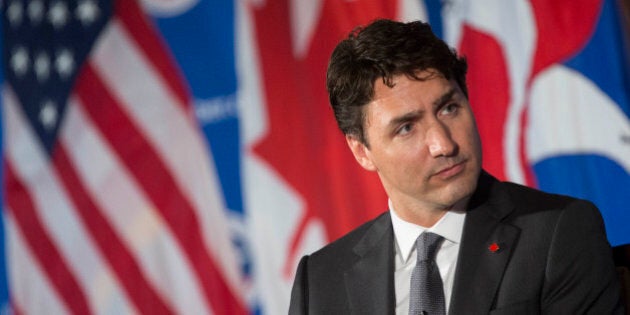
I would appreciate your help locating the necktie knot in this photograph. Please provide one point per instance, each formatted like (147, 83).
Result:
(427, 244)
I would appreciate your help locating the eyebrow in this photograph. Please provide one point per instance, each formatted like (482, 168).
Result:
(414, 115)
(445, 98)
(411, 116)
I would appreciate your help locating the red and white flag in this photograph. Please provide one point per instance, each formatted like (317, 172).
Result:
(178, 157)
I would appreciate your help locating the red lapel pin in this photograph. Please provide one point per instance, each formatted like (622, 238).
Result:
(494, 247)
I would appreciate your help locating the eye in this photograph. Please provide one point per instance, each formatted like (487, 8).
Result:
(449, 109)
(404, 129)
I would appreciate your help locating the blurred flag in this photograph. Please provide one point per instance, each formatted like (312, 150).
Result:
(550, 87)
(112, 204)
(180, 156)
(547, 81)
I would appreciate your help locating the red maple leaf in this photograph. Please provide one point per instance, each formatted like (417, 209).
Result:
(303, 143)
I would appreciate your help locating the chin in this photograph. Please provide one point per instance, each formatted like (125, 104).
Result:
(459, 191)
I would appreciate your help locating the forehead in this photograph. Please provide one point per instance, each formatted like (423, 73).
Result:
(409, 94)
(426, 83)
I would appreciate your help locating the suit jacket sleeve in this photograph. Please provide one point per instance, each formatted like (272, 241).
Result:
(580, 274)
(299, 293)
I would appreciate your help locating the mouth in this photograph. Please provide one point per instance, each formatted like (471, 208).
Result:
(451, 170)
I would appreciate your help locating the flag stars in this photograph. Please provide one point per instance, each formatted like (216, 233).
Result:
(36, 11)
(64, 63)
(49, 41)
(42, 66)
(48, 115)
(87, 12)
(20, 61)
(58, 14)
(15, 13)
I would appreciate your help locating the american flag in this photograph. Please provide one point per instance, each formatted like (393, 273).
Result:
(112, 206)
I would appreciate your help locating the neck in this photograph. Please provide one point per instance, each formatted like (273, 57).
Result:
(423, 215)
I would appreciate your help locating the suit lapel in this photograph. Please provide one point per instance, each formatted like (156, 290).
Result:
(485, 250)
(370, 281)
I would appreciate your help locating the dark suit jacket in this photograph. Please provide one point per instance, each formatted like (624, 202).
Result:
(553, 258)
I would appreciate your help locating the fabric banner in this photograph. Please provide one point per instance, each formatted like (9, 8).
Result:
(179, 157)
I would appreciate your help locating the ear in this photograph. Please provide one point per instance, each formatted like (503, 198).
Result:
(361, 152)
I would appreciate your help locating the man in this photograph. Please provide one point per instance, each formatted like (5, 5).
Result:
(455, 240)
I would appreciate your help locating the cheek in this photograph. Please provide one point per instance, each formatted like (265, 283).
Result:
(468, 135)
(409, 153)
(412, 164)
(399, 159)
(475, 140)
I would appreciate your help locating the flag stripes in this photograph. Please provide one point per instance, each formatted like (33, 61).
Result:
(119, 61)
(156, 181)
(112, 201)
(49, 257)
(178, 148)
(114, 251)
(131, 176)
(130, 214)
(61, 245)
(31, 291)
(135, 21)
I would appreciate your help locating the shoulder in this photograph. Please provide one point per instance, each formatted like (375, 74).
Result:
(536, 203)
(559, 225)
(560, 257)
(329, 264)
(344, 248)
(534, 211)
(535, 198)
(319, 282)
(572, 251)
(506, 200)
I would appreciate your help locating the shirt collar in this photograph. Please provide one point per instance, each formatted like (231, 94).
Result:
(450, 227)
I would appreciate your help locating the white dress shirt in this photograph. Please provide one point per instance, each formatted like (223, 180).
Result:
(450, 227)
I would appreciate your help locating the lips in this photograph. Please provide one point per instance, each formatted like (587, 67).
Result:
(450, 171)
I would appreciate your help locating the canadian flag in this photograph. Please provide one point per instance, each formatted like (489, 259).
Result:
(545, 80)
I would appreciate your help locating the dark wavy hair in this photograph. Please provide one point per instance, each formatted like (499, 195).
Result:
(384, 49)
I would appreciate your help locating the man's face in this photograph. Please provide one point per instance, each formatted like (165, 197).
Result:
(423, 143)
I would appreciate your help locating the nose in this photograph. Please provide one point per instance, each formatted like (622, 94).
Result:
(439, 141)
